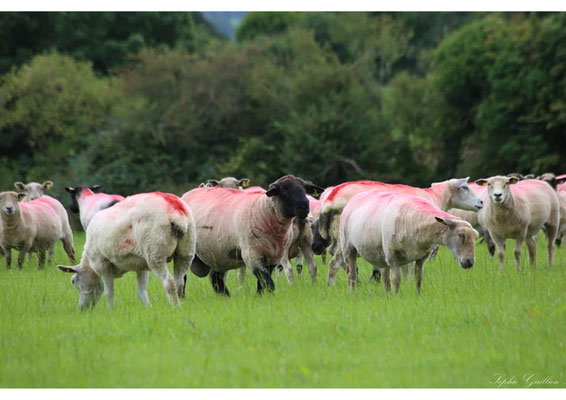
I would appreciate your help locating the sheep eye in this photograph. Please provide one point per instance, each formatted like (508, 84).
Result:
(463, 237)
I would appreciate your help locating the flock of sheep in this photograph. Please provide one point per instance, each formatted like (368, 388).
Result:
(226, 225)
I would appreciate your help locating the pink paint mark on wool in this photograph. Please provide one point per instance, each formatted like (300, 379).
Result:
(174, 202)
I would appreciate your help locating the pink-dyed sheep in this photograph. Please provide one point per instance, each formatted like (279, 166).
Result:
(85, 201)
(140, 234)
(519, 210)
(453, 193)
(390, 230)
(33, 226)
(237, 228)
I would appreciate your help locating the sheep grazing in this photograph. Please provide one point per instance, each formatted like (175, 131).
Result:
(237, 228)
(519, 210)
(33, 226)
(453, 193)
(33, 190)
(85, 201)
(229, 183)
(390, 230)
(141, 234)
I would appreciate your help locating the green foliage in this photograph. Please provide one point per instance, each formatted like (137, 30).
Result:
(257, 24)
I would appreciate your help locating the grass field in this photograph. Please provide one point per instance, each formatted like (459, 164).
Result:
(467, 329)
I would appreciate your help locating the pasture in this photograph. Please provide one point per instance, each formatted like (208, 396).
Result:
(466, 329)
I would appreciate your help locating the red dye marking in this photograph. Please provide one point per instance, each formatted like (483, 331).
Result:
(174, 202)
(338, 188)
(130, 226)
(139, 220)
(128, 241)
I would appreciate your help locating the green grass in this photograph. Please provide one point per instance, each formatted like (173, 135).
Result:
(467, 326)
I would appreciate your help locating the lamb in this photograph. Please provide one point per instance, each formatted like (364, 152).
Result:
(229, 183)
(237, 228)
(88, 203)
(33, 190)
(453, 193)
(519, 210)
(33, 226)
(391, 229)
(141, 234)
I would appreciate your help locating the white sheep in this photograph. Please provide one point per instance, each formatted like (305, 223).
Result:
(390, 230)
(87, 203)
(33, 226)
(140, 234)
(33, 190)
(519, 210)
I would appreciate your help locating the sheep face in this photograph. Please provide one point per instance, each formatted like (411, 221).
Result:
(33, 190)
(87, 283)
(463, 197)
(319, 244)
(229, 183)
(76, 193)
(9, 202)
(498, 187)
(461, 241)
(290, 194)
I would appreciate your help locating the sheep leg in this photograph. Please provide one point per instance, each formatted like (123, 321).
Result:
(518, 245)
(375, 274)
(287, 267)
(263, 276)
(51, 250)
(490, 244)
(41, 258)
(8, 256)
(333, 267)
(69, 248)
(405, 271)
(181, 263)
(350, 259)
(143, 278)
(218, 284)
(396, 277)
(419, 264)
(323, 257)
(242, 275)
(550, 232)
(161, 271)
(500, 245)
(108, 281)
(386, 275)
(21, 258)
(532, 248)
(299, 262)
(308, 254)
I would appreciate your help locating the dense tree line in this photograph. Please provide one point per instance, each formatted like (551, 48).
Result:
(145, 101)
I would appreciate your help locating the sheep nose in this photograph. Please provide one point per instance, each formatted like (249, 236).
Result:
(9, 209)
(467, 263)
(497, 195)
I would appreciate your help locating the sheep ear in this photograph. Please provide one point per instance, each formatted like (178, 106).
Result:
(95, 187)
(445, 221)
(512, 180)
(481, 182)
(560, 180)
(313, 190)
(70, 270)
(47, 185)
(70, 189)
(461, 181)
(529, 176)
(213, 182)
(21, 196)
(273, 190)
(201, 185)
(244, 182)
(20, 186)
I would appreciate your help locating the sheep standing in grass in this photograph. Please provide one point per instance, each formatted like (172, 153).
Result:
(519, 210)
(32, 191)
(237, 228)
(85, 201)
(453, 193)
(390, 230)
(557, 182)
(140, 234)
(33, 226)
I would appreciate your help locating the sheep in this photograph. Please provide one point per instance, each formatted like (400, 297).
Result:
(453, 193)
(237, 228)
(140, 234)
(519, 210)
(33, 226)
(557, 182)
(229, 183)
(33, 190)
(88, 203)
(391, 229)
